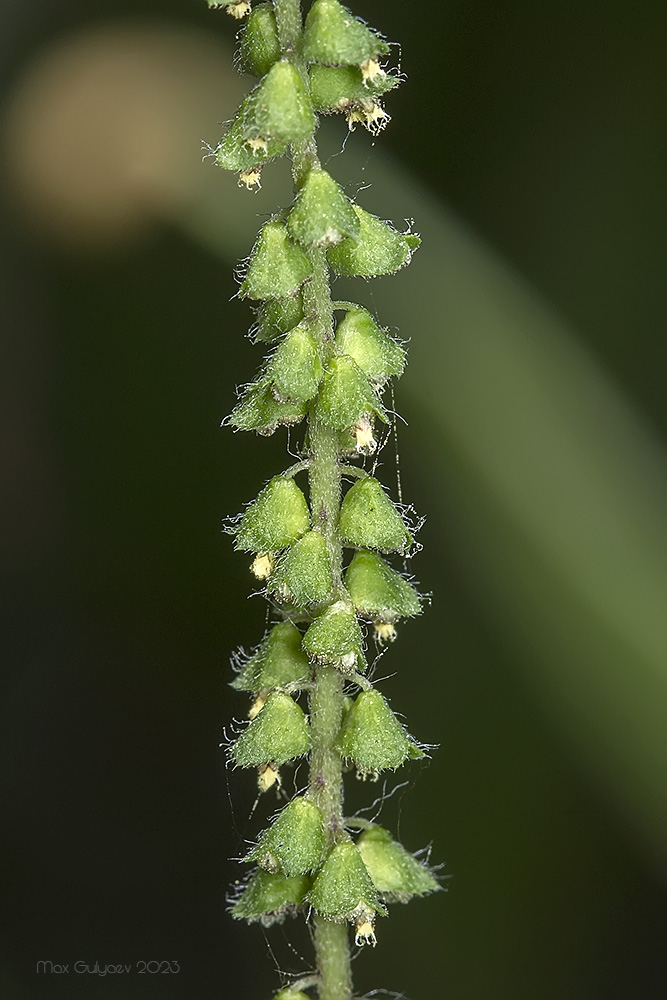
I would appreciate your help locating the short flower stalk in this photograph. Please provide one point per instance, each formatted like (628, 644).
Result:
(323, 557)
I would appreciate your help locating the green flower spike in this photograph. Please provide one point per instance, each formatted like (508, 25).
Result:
(335, 638)
(296, 843)
(303, 575)
(369, 520)
(334, 36)
(378, 592)
(379, 249)
(260, 45)
(295, 369)
(279, 107)
(396, 874)
(343, 891)
(279, 661)
(269, 898)
(323, 214)
(277, 734)
(335, 88)
(236, 153)
(360, 337)
(278, 517)
(276, 317)
(373, 737)
(277, 266)
(346, 396)
(260, 411)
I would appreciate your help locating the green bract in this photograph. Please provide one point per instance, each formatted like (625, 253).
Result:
(276, 518)
(346, 395)
(303, 575)
(343, 888)
(378, 592)
(323, 214)
(279, 107)
(396, 874)
(260, 45)
(335, 638)
(335, 88)
(269, 898)
(277, 734)
(276, 316)
(373, 737)
(260, 411)
(334, 36)
(374, 351)
(369, 520)
(236, 153)
(277, 266)
(278, 662)
(378, 249)
(295, 369)
(296, 843)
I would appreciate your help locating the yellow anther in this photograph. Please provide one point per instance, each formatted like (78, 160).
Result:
(257, 706)
(262, 565)
(239, 9)
(363, 434)
(384, 633)
(369, 113)
(268, 775)
(257, 144)
(364, 932)
(371, 70)
(250, 179)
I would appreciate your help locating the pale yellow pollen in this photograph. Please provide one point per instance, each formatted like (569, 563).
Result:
(262, 565)
(250, 179)
(257, 706)
(257, 144)
(268, 775)
(365, 933)
(371, 70)
(385, 632)
(363, 433)
(239, 9)
(368, 113)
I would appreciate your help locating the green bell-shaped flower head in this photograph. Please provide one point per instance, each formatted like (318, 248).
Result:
(372, 736)
(260, 45)
(334, 36)
(335, 638)
(276, 317)
(369, 520)
(277, 734)
(336, 88)
(374, 351)
(295, 369)
(378, 592)
(346, 396)
(379, 249)
(279, 107)
(323, 214)
(296, 842)
(235, 152)
(396, 874)
(303, 575)
(275, 519)
(269, 898)
(343, 889)
(277, 266)
(279, 661)
(260, 411)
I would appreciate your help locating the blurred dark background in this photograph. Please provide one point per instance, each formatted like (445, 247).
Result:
(543, 126)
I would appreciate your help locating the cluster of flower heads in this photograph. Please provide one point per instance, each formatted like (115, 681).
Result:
(322, 621)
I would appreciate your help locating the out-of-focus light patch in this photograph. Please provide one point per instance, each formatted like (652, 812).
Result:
(103, 132)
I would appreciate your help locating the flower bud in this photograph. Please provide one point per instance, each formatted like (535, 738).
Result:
(335, 88)
(295, 369)
(269, 898)
(379, 249)
(279, 107)
(296, 843)
(343, 889)
(277, 316)
(375, 352)
(323, 214)
(303, 575)
(260, 411)
(260, 45)
(396, 874)
(335, 638)
(346, 396)
(277, 734)
(333, 36)
(369, 520)
(275, 519)
(279, 661)
(277, 266)
(235, 152)
(378, 592)
(372, 736)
